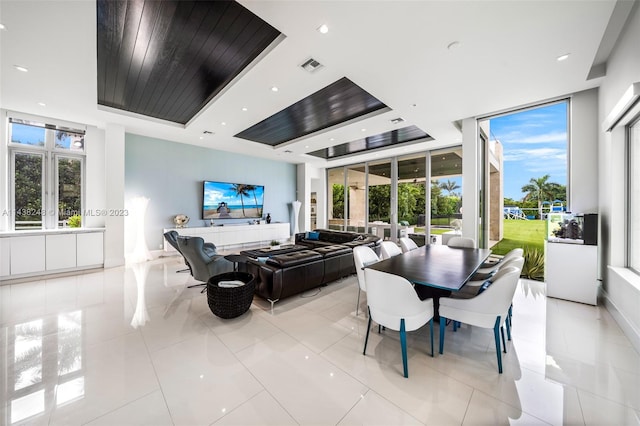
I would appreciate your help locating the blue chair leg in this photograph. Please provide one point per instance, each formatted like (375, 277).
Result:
(507, 323)
(455, 326)
(510, 313)
(403, 343)
(431, 334)
(504, 344)
(496, 334)
(366, 339)
(443, 322)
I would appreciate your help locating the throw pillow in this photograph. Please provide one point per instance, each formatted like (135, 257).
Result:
(314, 236)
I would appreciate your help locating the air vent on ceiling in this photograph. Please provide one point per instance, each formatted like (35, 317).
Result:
(311, 65)
(397, 120)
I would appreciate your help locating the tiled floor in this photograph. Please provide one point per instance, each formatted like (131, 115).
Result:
(134, 346)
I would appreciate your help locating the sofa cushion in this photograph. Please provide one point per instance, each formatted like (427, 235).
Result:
(267, 252)
(332, 251)
(294, 258)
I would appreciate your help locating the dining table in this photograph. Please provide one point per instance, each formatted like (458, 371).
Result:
(437, 266)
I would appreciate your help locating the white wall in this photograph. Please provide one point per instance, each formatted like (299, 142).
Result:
(623, 69)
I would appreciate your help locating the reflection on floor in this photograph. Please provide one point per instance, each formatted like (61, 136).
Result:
(132, 345)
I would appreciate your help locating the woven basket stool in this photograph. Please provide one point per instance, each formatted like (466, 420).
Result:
(230, 302)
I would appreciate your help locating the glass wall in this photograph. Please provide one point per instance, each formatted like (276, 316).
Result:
(380, 198)
(356, 198)
(335, 198)
(412, 194)
(446, 193)
(367, 197)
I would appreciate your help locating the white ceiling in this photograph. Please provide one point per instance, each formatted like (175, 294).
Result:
(396, 50)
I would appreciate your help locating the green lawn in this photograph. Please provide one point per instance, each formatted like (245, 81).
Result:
(521, 233)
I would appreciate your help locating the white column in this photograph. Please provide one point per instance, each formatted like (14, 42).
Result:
(470, 179)
(114, 171)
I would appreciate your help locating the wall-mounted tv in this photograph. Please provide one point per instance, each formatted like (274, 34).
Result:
(222, 200)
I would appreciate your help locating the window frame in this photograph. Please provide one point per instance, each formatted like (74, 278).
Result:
(50, 167)
(629, 208)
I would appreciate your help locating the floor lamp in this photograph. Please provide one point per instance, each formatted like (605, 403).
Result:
(295, 205)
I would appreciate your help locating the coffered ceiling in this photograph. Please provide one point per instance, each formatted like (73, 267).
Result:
(432, 63)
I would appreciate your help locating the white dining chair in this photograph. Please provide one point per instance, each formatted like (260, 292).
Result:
(363, 256)
(461, 242)
(489, 309)
(389, 249)
(407, 244)
(478, 279)
(490, 267)
(394, 304)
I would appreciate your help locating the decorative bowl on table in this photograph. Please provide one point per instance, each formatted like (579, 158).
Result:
(181, 220)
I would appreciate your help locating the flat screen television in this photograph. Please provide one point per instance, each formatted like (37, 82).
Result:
(223, 200)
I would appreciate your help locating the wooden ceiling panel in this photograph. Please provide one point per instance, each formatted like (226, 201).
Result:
(340, 101)
(167, 59)
(394, 137)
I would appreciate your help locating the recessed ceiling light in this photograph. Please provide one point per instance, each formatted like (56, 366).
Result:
(223, 123)
(323, 29)
(397, 120)
(21, 68)
(274, 89)
(563, 57)
(363, 130)
(201, 137)
(2, 27)
(306, 146)
(332, 139)
(42, 104)
(245, 108)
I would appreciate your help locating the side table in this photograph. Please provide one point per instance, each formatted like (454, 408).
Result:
(236, 258)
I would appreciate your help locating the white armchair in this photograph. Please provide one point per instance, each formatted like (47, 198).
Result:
(394, 304)
(389, 249)
(461, 242)
(407, 244)
(362, 256)
(487, 310)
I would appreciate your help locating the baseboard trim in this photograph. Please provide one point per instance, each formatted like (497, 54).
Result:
(627, 327)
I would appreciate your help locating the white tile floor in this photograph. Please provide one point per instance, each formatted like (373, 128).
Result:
(134, 346)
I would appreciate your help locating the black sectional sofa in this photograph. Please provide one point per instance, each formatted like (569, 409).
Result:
(317, 258)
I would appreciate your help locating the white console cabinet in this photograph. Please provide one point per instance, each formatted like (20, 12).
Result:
(31, 253)
(571, 272)
(235, 235)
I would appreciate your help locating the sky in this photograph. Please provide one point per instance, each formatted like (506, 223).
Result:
(534, 144)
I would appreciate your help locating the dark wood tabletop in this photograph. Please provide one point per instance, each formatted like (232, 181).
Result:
(436, 266)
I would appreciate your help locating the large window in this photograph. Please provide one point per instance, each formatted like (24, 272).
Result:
(47, 170)
(633, 241)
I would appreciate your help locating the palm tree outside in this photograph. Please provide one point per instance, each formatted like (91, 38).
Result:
(449, 186)
(539, 189)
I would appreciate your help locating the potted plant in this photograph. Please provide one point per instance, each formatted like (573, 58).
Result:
(275, 245)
